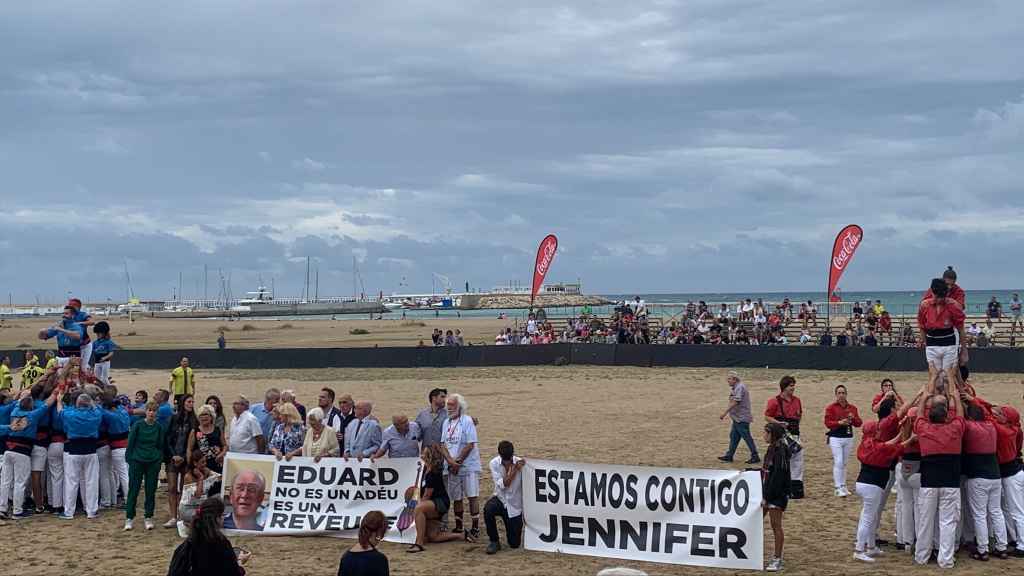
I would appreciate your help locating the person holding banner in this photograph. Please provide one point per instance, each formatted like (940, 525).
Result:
(841, 418)
(507, 502)
(459, 447)
(362, 437)
(317, 443)
(776, 486)
(786, 409)
(433, 502)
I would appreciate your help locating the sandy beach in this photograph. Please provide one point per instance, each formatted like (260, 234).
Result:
(657, 417)
(163, 333)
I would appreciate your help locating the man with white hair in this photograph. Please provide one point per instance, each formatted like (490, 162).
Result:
(400, 440)
(362, 437)
(288, 397)
(460, 451)
(81, 466)
(246, 435)
(740, 413)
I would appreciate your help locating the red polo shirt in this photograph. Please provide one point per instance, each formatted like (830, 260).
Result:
(979, 437)
(940, 317)
(834, 413)
(938, 439)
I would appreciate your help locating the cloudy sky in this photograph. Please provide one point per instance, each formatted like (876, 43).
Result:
(705, 145)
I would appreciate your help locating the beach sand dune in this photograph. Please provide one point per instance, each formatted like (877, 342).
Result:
(656, 417)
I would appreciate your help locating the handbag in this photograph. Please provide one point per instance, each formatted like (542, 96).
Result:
(793, 443)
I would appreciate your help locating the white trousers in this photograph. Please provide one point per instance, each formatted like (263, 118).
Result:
(885, 499)
(86, 353)
(81, 476)
(908, 484)
(867, 526)
(943, 503)
(796, 466)
(103, 458)
(55, 474)
(39, 460)
(984, 500)
(841, 450)
(14, 480)
(118, 473)
(1013, 507)
(102, 371)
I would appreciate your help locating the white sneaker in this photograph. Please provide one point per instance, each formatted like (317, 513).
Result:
(863, 557)
(875, 552)
(172, 523)
(149, 524)
(843, 492)
(127, 525)
(774, 566)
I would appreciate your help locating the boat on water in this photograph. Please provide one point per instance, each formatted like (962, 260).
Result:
(262, 303)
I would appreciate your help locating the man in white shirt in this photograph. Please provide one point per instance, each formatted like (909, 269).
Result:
(507, 502)
(246, 435)
(460, 451)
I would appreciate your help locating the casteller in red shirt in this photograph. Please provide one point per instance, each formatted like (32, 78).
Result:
(835, 412)
(941, 444)
(939, 321)
(790, 412)
(955, 292)
(1009, 442)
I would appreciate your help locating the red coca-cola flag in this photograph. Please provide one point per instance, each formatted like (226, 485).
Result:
(842, 253)
(545, 255)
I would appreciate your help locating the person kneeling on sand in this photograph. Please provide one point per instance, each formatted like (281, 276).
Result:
(507, 502)
(433, 502)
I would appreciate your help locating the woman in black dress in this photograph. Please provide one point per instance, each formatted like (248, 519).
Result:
(364, 559)
(433, 503)
(776, 486)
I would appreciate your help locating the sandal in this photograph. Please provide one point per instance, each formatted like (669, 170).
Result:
(980, 556)
(1001, 554)
(472, 535)
(414, 549)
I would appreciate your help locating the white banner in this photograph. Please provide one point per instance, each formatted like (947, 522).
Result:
(670, 515)
(275, 497)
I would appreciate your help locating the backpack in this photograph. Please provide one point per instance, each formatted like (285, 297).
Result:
(181, 562)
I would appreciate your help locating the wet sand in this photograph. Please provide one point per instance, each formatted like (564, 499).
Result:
(657, 417)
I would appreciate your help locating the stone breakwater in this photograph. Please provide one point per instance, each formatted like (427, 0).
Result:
(495, 301)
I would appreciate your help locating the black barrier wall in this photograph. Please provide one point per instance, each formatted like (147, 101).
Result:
(993, 360)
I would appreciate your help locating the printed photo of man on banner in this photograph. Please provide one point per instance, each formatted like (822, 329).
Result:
(303, 497)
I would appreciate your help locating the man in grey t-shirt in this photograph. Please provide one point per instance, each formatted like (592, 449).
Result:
(430, 418)
(739, 412)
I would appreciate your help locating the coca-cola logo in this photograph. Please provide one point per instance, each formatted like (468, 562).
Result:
(547, 255)
(846, 247)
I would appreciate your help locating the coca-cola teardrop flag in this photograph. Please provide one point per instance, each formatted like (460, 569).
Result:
(842, 253)
(545, 255)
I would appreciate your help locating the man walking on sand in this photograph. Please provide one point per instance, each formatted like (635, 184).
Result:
(741, 415)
